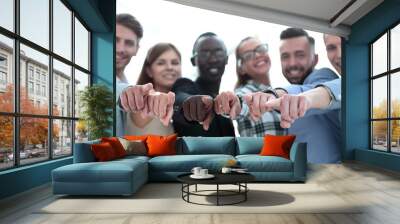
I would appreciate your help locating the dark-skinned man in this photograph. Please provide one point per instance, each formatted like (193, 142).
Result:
(193, 109)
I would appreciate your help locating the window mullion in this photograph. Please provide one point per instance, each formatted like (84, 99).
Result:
(73, 82)
(389, 106)
(16, 83)
(50, 81)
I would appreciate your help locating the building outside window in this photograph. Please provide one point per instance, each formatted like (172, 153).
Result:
(385, 95)
(58, 126)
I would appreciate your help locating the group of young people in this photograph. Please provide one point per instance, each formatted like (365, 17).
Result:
(162, 102)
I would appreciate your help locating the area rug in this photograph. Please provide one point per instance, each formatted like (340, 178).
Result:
(167, 198)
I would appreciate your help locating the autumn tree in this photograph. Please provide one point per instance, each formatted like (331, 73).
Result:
(32, 130)
(380, 127)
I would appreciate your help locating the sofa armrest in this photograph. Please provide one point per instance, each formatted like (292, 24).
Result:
(83, 152)
(298, 155)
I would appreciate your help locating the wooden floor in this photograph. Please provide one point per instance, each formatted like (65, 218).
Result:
(378, 188)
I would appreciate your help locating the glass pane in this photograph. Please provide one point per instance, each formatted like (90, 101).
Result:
(395, 95)
(35, 21)
(81, 131)
(62, 29)
(379, 55)
(62, 89)
(7, 14)
(33, 139)
(81, 45)
(395, 136)
(395, 47)
(62, 141)
(6, 74)
(379, 135)
(81, 81)
(34, 97)
(6, 142)
(379, 98)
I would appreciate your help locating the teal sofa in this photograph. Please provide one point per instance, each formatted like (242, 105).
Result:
(125, 176)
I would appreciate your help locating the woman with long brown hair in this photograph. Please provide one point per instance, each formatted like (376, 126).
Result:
(162, 67)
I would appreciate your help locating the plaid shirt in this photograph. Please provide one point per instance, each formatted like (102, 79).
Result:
(269, 123)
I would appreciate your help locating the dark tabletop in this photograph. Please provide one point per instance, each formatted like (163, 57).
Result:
(220, 178)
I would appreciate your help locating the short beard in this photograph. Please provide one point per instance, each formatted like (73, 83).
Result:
(306, 74)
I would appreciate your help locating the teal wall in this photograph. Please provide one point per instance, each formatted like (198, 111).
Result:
(356, 98)
(99, 16)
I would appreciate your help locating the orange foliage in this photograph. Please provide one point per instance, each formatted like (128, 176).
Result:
(33, 130)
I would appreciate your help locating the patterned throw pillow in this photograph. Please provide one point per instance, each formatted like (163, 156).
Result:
(133, 147)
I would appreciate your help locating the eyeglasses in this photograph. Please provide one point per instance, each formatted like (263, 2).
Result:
(250, 55)
(206, 54)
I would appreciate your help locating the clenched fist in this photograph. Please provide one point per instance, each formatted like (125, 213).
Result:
(227, 103)
(291, 107)
(199, 108)
(257, 103)
(133, 98)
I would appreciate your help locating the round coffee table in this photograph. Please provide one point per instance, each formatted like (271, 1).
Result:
(238, 179)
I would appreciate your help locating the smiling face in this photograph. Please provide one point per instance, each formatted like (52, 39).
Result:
(334, 51)
(256, 66)
(165, 70)
(211, 58)
(127, 46)
(297, 59)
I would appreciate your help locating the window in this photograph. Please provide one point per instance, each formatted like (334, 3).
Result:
(3, 71)
(38, 89)
(385, 96)
(43, 77)
(30, 72)
(44, 91)
(37, 74)
(46, 129)
(30, 87)
(3, 61)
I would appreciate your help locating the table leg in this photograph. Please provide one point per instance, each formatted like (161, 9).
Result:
(245, 191)
(217, 194)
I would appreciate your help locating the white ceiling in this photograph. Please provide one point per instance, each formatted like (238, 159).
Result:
(316, 15)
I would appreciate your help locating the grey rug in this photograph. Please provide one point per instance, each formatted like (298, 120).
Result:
(166, 198)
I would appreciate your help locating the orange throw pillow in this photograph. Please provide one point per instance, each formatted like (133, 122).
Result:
(161, 145)
(277, 145)
(103, 152)
(136, 137)
(116, 145)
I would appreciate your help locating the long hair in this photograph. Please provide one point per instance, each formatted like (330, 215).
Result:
(152, 55)
(242, 79)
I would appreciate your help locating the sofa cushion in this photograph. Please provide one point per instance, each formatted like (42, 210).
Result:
(185, 163)
(206, 145)
(257, 163)
(249, 145)
(111, 171)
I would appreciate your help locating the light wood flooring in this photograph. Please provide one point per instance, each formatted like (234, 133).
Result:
(378, 188)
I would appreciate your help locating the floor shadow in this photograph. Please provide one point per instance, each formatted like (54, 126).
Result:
(255, 198)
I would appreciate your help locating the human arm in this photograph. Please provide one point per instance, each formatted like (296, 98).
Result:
(189, 106)
(293, 107)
